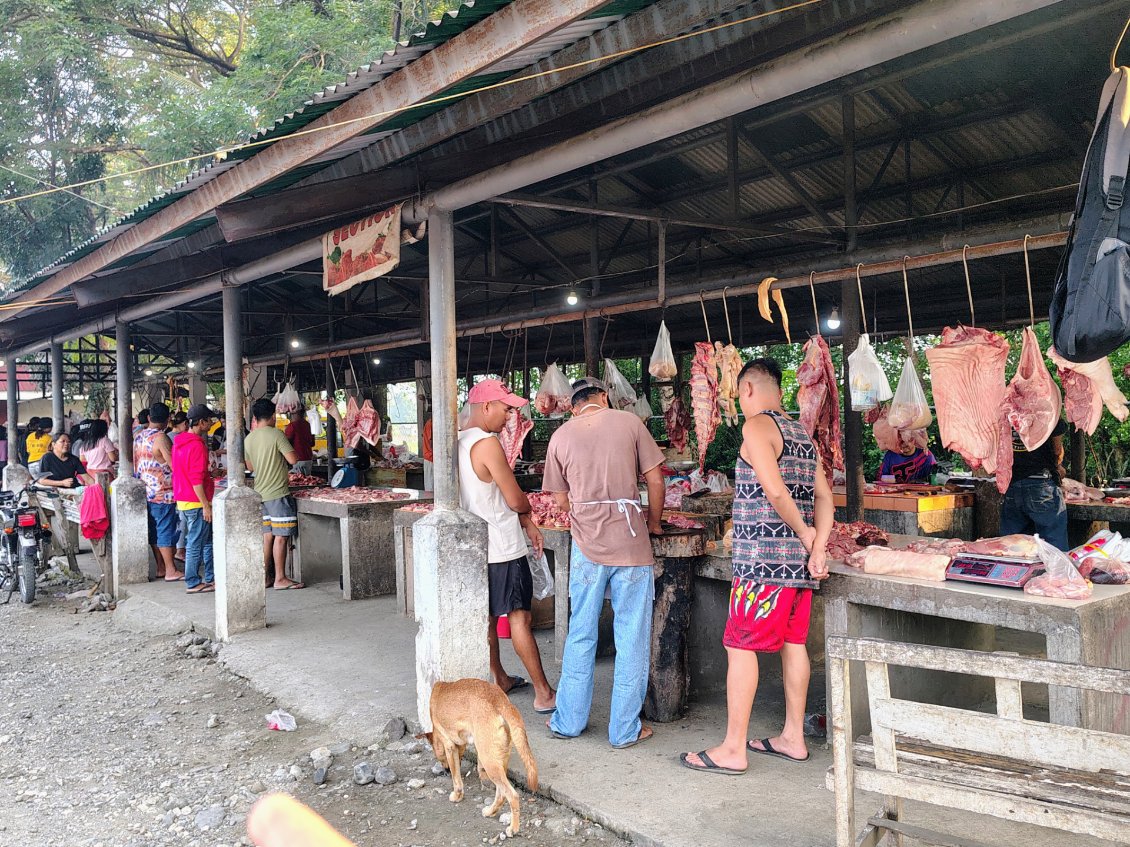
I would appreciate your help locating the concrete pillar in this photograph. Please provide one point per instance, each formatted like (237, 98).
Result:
(449, 545)
(241, 600)
(13, 411)
(197, 388)
(129, 513)
(57, 410)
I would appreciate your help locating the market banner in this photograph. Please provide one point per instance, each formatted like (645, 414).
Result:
(363, 250)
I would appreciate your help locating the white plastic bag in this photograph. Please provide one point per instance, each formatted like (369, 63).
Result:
(281, 721)
(287, 400)
(554, 394)
(869, 386)
(464, 419)
(315, 421)
(662, 365)
(621, 395)
(643, 408)
(542, 575)
(909, 409)
(1060, 579)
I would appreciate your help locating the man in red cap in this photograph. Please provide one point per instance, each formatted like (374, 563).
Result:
(487, 488)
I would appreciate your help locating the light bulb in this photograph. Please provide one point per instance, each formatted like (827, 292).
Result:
(294, 342)
(834, 319)
(192, 366)
(148, 372)
(2, 363)
(572, 299)
(376, 361)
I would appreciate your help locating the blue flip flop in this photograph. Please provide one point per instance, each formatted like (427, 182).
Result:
(516, 683)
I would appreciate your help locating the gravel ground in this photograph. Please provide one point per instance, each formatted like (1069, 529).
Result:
(110, 739)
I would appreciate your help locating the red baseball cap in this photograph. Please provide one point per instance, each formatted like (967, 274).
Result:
(493, 389)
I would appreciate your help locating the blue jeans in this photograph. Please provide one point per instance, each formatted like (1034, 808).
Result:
(633, 596)
(1036, 506)
(198, 549)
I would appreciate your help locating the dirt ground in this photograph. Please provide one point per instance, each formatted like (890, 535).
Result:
(111, 739)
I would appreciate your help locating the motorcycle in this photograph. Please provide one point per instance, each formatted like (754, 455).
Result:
(23, 548)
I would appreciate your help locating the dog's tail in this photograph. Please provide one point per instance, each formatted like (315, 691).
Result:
(513, 719)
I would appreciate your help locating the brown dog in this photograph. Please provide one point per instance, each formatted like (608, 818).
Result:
(474, 711)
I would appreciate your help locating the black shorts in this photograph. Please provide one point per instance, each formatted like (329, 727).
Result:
(511, 587)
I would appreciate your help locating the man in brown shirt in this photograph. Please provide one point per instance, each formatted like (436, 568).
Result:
(592, 467)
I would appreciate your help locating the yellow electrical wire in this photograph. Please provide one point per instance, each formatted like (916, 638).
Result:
(224, 152)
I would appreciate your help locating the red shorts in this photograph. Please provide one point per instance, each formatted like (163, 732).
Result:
(766, 617)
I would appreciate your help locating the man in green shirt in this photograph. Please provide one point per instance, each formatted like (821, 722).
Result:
(268, 454)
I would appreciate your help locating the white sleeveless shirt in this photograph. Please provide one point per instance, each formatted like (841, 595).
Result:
(506, 540)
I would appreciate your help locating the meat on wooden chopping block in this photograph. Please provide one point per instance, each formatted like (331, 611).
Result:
(704, 398)
(967, 370)
(819, 399)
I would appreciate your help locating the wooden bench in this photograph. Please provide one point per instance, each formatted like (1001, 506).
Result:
(1001, 764)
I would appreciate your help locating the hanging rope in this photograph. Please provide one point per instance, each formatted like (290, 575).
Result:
(968, 284)
(548, 341)
(490, 354)
(706, 323)
(467, 376)
(859, 285)
(906, 291)
(812, 291)
(726, 307)
(1028, 278)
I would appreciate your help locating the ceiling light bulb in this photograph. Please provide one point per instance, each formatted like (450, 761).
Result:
(376, 361)
(572, 299)
(2, 363)
(834, 319)
(294, 342)
(192, 366)
(148, 372)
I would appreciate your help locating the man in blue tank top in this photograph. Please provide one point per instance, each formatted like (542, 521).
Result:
(783, 515)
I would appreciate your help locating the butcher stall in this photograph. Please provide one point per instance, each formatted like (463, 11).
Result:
(346, 534)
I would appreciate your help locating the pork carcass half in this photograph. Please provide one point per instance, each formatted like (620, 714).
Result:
(819, 399)
(704, 397)
(513, 433)
(1032, 402)
(678, 422)
(729, 366)
(1088, 386)
(967, 370)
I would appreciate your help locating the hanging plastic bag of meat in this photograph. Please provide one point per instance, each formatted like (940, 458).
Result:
(554, 394)
(869, 385)
(909, 409)
(662, 365)
(704, 398)
(1032, 402)
(642, 408)
(818, 396)
(621, 395)
(678, 422)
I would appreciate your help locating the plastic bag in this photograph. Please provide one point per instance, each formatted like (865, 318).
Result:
(621, 395)
(281, 721)
(909, 409)
(662, 365)
(642, 409)
(869, 385)
(464, 419)
(315, 421)
(1105, 571)
(542, 575)
(1060, 579)
(554, 394)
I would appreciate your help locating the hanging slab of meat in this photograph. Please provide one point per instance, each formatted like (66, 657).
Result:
(704, 398)
(819, 400)
(350, 433)
(1032, 402)
(517, 427)
(967, 370)
(729, 366)
(883, 561)
(678, 422)
(1088, 386)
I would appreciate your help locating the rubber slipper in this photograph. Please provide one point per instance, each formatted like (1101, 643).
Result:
(294, 586)
(645, 733)
(517, 683)
(196, 589)
(766, 749)
(548, 711)
(708, 765)
(174, 579)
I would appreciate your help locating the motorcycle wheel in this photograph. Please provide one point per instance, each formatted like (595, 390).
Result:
(28, 557)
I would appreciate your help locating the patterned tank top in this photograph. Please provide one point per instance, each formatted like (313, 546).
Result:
(158, 477)
(766, 550)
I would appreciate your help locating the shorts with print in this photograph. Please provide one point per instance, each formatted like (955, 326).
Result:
(766, 617)
(280, 516)
(511, 586)
(164, 522)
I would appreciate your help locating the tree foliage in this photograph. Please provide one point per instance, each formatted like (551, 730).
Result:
(93, 88)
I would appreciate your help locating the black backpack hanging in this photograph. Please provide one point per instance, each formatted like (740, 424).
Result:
(1090, 309)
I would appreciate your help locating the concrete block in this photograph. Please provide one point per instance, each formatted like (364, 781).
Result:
(145, 617)
(241, 600)
(16, 478)
(451, 603)
(129, 534)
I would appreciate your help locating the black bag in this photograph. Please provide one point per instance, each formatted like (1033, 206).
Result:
(1090, 309)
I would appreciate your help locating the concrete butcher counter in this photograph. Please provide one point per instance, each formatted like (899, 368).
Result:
(1082, 517)
(941, 514)
(353, 541)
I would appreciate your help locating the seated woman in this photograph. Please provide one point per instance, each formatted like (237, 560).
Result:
(61, 469)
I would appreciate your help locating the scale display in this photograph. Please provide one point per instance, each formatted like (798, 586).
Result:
(993, 570)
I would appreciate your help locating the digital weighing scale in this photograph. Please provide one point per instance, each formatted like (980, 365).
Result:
(994, 570)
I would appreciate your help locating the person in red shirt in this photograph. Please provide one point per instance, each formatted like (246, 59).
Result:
(301, 438)
(193, 489)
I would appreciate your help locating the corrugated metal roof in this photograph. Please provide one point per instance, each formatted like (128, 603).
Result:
(437, 32)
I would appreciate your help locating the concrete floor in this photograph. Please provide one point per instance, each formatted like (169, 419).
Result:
(349, 665)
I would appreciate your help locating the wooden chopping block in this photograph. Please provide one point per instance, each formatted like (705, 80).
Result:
(679, 544)
(709, 504)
